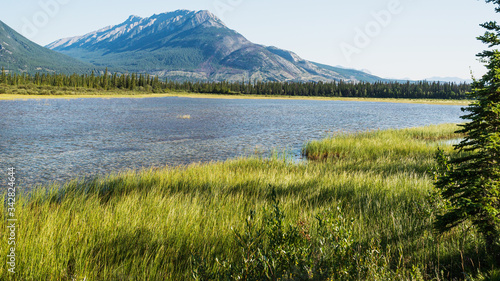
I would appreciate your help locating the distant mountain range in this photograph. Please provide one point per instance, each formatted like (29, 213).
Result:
(194, 45)
(449, 79)
(180, 45)
(21, 55)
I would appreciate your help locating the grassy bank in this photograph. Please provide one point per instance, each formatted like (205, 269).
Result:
(153, 224)
(48, 92)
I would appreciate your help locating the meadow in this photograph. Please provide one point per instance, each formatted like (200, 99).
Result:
(362, 208)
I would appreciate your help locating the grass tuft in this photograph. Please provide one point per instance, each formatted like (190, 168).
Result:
(165, 224)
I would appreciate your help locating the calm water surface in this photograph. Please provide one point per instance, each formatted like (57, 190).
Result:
(56, 140)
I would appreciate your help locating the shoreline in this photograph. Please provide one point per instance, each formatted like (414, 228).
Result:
(222, 96)
(175, 213)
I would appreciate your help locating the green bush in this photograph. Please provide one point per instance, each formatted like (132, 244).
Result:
(274, 250)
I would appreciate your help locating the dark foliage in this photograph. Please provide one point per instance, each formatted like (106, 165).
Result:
(470, 181)
(106, 81)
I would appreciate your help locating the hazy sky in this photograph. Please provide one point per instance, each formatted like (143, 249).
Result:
(413, 39)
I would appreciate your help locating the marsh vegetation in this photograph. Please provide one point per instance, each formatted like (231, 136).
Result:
(363, 208)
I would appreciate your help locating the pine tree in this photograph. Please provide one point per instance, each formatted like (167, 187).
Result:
(133, 81)
(92, 80)
(105, 80)
(114, 81)
(470, 181)
(3, 78)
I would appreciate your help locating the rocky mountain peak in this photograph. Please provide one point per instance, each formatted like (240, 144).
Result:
(187, 44)
(135, 25)
(133, 18)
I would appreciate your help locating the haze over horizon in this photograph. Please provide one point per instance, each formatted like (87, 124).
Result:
(389, 38)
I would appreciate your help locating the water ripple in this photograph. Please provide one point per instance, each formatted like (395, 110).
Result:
(56, 140)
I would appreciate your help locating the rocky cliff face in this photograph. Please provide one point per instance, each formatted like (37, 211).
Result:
(189, 45)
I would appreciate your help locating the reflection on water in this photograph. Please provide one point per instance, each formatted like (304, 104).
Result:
(55, 140)
(451, 142)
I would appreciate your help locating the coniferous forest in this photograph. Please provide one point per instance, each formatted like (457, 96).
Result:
(147, 83)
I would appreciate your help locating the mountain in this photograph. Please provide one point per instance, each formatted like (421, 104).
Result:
(193, 45)
(353, 74)
(19, 54)
(449, 79)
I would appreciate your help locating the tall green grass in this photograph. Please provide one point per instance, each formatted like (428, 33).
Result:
(148, 225)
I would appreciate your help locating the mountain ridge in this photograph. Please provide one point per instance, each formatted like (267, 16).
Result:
(191, 45)
(457, 80)
(19, 54)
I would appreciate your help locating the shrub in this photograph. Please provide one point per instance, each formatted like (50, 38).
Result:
(279, 251)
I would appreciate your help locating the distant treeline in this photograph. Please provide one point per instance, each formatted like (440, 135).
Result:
(147, 83)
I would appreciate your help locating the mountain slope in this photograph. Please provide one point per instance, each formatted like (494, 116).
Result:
(21, 55)
(450, 80)
(354, 74)
(190, 45)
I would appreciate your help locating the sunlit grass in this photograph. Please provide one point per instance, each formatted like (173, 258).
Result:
(146, 225)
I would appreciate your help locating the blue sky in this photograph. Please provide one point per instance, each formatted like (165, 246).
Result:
(413, 39)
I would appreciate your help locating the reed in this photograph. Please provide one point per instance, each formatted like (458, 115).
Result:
(149, 225)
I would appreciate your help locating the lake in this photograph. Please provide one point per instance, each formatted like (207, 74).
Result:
(53, 140)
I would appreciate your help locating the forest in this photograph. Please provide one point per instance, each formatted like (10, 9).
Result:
(148, 83)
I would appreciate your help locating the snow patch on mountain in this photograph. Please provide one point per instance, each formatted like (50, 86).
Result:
(135, 25)
(190, 44)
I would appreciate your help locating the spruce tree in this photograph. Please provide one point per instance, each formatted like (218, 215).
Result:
(3, 77)
(470, 180)
(104, 83)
